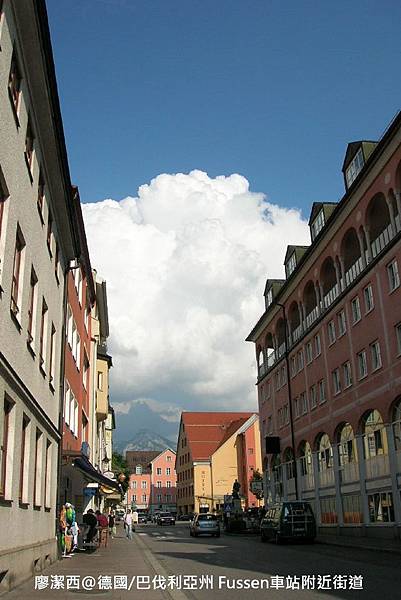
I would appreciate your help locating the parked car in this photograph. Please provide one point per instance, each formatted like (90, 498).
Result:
(288, 521)
(204, 523)
(165, 518)
(143, 518)
(187, 517)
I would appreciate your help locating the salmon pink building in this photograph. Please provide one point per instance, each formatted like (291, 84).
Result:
(163, 482)
(328, 349)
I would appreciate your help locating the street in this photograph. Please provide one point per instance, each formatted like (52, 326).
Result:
(245, 557)
(168, 554)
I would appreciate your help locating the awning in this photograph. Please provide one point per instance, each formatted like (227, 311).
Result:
(83, 464)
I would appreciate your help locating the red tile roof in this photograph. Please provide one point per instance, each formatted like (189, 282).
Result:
(207, 431)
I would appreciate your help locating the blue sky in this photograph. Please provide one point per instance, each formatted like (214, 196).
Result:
(267, 89)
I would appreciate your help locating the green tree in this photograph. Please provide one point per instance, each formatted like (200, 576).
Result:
(119, 467)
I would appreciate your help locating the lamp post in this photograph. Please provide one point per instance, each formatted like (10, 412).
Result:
(287, 363)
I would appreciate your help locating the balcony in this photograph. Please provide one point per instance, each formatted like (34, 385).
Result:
(377, 466)
(311, 317)
(349, 472)
(353, 272)
(329, 298)
(326, 477)
(307, 482)
(382, 240)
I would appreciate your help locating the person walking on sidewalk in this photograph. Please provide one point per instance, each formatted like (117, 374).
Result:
(128, 524)
(112, 524)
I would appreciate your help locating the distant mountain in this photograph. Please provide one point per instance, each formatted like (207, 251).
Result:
(145, 439)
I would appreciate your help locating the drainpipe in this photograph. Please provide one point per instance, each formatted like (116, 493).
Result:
(287, 363)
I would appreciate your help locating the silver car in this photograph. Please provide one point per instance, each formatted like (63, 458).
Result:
(204, 523)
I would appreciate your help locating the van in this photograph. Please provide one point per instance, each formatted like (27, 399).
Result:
(288, 521)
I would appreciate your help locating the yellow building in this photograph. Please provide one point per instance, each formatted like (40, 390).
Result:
(214, 449)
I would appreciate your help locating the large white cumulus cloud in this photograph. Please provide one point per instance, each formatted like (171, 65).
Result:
(186, 263)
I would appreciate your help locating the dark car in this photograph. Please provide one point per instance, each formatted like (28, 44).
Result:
(143, 518)
(187, 517)
(289, 521)
(165, 518)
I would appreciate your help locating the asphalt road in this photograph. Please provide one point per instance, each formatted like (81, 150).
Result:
(172, 551)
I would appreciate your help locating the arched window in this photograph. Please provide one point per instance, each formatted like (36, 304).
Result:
(346, 445)
(310, 303)
(269, 349)
(295, 321)
(289, 463)
(328, 279)
(325, 453)
(396, 418)
(379, 223)
(351, 255)
(280, 335)
(374, 434)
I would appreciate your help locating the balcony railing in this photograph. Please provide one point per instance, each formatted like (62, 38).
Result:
(329, 298)
(326, 477)
(353, 272)
(307, 482)
(296, 334)
(377, 466)
(312, 316)
(349, 472)
(382, 240)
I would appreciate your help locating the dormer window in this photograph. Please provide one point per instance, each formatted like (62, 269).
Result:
(317, 224)
(355, 167)
(291, 264)
(269, 297)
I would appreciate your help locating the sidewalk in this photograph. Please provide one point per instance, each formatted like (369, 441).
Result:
(121, 557)
(365, 543)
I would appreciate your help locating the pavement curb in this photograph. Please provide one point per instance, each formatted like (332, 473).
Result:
(359, 546)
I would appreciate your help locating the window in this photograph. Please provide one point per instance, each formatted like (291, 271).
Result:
(356, 310)
(286, 414)
(134, 497)
(296, 407)
(168, 471)
(341, 323)
(52, 361)
(300, 360)
(43, 335)
(78, 283)
(347, 374)
(84, 427)
(70, 326)
(144, 485)
(398, 336)
(144, 497)
(269, 297)
(99, 380)
(354, 168)
(56, 265)
(309, 353)
(318, 346)
(29, 147)
(32, 307)
(168, 458)
(85, 375)
(73, 415)
(41, 196)
(168, 484)
(3, 197)
(393, 275)
(78, 351)
(14, 84)
(37, 482)
(5, 451)
(158, 484)
(159, 497)
(336, 381)
(293, 366)
(362, 364)
(67, 404)
(322, 391)
(49, 239)
(313, 397)
(291, 264)
(331, 332)
(16, 286)
(138, 470)
(48, 474)
(376, 355)
(24, 470)
(158, 471)
(304, 403)
(317, 224)
(381, 509)
(368, 295)
(352, 509)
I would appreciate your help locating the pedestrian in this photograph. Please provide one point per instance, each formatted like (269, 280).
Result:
(135, 517)
(112, 524)
(90, 520)
(128, 524)
(102, 520)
